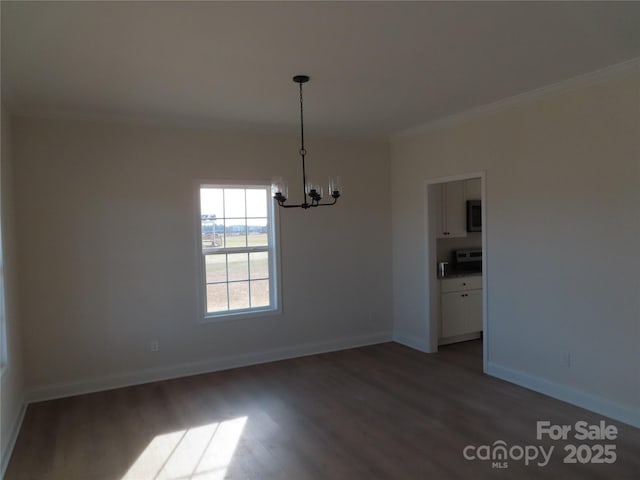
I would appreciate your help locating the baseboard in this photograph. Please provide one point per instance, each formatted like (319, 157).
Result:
(460, 338)
(90, 385)
(13, 436)
(411, 341)
(595, 403)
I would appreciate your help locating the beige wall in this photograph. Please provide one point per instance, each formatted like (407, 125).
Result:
(108, 261)
(105, 222)
(11, 387)
(563, 189)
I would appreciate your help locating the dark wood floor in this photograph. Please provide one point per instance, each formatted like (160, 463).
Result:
(378, 412)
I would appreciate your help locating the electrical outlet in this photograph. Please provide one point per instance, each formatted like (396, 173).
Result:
(154, 345)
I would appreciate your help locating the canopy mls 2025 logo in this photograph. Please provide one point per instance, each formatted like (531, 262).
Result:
(499, 453)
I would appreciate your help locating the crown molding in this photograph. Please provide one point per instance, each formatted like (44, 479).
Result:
(505, 103)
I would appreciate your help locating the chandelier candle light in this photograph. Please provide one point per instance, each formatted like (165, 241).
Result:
(312, 191)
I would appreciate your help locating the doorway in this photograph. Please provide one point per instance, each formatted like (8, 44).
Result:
(456, 303)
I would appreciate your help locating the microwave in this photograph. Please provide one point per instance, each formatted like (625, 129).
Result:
(474, 216)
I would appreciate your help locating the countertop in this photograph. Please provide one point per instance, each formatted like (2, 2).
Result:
(460, 273)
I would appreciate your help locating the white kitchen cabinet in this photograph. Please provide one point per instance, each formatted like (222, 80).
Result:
(453, 218)
(460, 284)
(461, 307)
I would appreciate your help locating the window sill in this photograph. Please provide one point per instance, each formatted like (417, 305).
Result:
(232, 317)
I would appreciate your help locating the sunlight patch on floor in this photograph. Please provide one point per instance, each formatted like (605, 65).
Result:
(199, 453)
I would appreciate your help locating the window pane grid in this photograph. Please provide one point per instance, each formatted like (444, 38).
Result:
(227, 265)
(212, 252)
(249, 295)
(242, 281)
(237, 281)
(246, 238)
(224, 225)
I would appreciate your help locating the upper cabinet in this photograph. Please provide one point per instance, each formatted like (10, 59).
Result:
(452, 222)
(453, 218)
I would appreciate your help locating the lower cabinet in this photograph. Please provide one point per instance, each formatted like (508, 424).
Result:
(461, 312)
(461, 308)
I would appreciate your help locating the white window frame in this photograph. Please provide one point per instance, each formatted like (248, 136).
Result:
(274, 256)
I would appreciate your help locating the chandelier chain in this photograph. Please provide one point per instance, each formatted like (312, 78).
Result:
(303, 152)
(302, 149)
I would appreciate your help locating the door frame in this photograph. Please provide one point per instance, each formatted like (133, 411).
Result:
(432, 299)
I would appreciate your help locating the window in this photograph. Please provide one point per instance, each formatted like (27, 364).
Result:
(238, 249)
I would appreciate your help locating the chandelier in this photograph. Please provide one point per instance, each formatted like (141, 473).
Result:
(312, 192)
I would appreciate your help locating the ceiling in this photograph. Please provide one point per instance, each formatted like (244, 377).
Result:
(376, 68)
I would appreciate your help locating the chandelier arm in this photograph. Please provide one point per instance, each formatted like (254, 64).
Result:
(299, 205)
(335, 200)
(314, 203)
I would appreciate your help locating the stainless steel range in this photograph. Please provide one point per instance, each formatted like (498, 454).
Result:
(468, 260)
